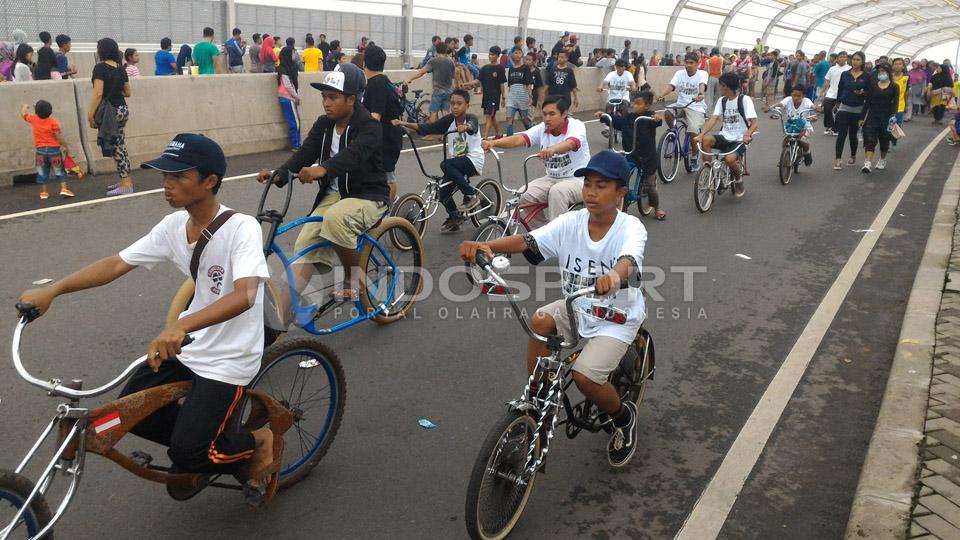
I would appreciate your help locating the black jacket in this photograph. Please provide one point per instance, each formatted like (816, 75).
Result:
(358, 166)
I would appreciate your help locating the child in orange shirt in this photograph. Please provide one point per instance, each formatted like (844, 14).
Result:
(48, 141)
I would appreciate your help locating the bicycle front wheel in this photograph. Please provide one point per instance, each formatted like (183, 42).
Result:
(14, 490)
(422, 112)
(669, 151)
(786, 165)
(411, 208)
(488, 232)
(305, 376)
(703, 191)
(392, 278)
(643, 197)
(499, 489)
(491, 201)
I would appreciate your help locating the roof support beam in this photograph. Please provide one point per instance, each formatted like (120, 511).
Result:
(607, 19)
(523, 18)
(846, 31)
(406, 12)
(776, 20)
(728, 19)
(934, 44)
(926, 26)
(672, 24)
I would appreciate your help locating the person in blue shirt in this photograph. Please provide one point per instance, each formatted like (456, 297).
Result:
(236, 48)
(165, 60)
(463, 56)
(820, 70)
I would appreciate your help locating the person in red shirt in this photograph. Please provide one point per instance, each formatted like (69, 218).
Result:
(48, 141)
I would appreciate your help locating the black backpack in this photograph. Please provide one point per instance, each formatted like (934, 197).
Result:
(743, 115)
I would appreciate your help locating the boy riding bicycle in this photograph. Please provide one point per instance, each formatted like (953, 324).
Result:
(225, 355)
(599, 246)
(619, 83)
(690, 85)
(466, 157)
(739, 118)
(797, 107)
(563, 149)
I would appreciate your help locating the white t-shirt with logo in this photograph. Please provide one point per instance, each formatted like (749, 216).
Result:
(228, 352)
(833, 75)
(688, 87)
(561, 165)
(582, 261)
(733, 126)
(464, 144)
(619, 84)
(793, 112)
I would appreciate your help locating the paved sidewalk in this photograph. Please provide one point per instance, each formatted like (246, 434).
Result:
(937, 510)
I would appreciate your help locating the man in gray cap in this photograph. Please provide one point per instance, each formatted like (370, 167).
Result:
(346, 141)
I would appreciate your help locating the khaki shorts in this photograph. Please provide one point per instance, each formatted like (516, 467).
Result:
(343, 223)
(599, 357)
(693, 119)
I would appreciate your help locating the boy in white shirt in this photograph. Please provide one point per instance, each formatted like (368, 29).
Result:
(228, 334)
(690, 84)
(739, 118)
(620, 83)
(563, 149)
(798, 107)
(597, 246)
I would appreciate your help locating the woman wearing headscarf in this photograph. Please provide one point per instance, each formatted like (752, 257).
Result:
(917, 84)
(268, 57)
(288, 92)
(184, 57)
(940, 89)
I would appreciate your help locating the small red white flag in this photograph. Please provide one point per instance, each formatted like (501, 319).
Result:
(107, 423)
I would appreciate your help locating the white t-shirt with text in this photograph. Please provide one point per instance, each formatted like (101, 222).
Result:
(582, 261)
(619, 84)
(688, 87)
(228, 352)
(561, 165)
(734, 127)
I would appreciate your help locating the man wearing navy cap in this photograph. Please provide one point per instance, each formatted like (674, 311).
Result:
(222, 250)
(346, 141)
(598, 246)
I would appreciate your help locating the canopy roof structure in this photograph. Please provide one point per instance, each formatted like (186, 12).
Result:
(878, 27)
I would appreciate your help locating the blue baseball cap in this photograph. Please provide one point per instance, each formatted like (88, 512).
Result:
(608, 164)
(190, 151)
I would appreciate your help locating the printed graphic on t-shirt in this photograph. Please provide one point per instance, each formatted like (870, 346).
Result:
(557, 162)
(578, 273)
(215, 273)
(460, 144)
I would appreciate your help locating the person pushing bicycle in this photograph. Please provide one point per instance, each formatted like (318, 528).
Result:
(563, 149)
(354, 192)
(602, 246)
(229, 270)
(739, 118)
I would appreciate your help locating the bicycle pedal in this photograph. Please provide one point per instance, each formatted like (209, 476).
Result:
(141, 458)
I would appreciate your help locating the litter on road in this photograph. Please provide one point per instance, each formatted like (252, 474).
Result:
(424, 423)
(43, 281)
(742, 256)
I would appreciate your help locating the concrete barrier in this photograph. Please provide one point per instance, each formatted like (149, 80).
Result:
(16, 146)
(239, 111)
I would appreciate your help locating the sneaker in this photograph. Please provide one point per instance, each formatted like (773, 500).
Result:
(808, 159)
(605, 133)
(951, 142)
(694, 165)
(64, 192)
(834, 133)
(866, 167)
(469, 203)
(852, 161)
(838, 166)
(452, 224)
(826, 132)
(623, 441)
(44, 196)
(120, 190)
(738, 189)
(882, 164)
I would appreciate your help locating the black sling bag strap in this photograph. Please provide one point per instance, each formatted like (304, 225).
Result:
(205, 235)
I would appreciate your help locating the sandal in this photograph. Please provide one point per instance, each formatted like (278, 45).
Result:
(257, 494)
(660, 215)
(345, 295)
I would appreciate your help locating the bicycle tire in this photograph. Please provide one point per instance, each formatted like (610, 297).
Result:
(491, 450)
(422, 110)
(314, 349)
(635, 368)
(490, 189)
(703, 189)
(785, 165)
(683, 137)
(668, 143)
(411, 208)
(643, 197)
(393, 227)
(14, 489)
(491, 230)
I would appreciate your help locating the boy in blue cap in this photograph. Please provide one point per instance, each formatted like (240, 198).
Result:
(222, 250)
(599, 246)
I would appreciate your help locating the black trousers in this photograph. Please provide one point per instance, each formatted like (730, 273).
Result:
(828, 105)
(458, 171)
(195, 431)
(847, 125)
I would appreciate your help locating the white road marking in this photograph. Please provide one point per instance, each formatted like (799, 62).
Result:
(711, 509)
(159, 190)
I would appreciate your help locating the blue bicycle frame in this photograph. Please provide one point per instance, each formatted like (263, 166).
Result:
(305, 315)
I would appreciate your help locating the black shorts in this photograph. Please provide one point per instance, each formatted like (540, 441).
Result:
(490, 108)
(722, 145)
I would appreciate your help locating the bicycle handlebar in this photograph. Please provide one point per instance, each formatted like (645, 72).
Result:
(54, 387)
(722, 154)
(274, 176)
(636, 125)
(406, 131)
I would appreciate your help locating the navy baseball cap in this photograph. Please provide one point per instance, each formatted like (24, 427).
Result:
(608, 164)
(347, 79)
(190, 151)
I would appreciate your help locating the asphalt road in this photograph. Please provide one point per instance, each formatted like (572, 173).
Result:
(386, 477)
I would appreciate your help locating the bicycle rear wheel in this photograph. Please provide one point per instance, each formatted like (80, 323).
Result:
(411, 208)
(786, 165)
(306, 377)
(669, 151)
(489, 231)
(14, 489)
(495, 498)
(703, 192)
(643, 197)
(391, 277)
(422, 111)
(491, 201)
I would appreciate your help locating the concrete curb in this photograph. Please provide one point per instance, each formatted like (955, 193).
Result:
(883, 501)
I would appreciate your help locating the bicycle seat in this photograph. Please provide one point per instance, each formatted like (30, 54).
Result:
(417, 93)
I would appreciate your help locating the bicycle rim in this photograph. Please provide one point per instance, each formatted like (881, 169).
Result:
(786, 165)
(703, 190)
(411, 208)
(669, 157)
